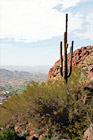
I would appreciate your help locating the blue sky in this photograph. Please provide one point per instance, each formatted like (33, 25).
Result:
(30, 30)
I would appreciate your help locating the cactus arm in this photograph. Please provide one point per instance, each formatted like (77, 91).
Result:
(70, 59)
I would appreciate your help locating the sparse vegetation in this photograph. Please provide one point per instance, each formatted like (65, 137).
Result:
(8, 134)
(91, 81)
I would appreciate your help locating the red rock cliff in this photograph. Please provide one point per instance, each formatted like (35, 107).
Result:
(78, 57)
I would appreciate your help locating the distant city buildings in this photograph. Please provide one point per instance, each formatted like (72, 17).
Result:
(2, 99)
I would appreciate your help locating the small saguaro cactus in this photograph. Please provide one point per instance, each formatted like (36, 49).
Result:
(63, 61)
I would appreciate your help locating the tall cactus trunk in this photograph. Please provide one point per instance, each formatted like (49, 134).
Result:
(70, 59)
(66, 26)
(65, 59)
(65, 51)
(61, 59)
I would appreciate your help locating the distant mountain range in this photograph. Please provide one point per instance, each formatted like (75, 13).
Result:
(31, 69)
(7, 76)
(16, 81)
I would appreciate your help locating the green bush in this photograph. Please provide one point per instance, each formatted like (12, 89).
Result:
(91, 81)
(56, 108)
(8, 134)
(62, 107)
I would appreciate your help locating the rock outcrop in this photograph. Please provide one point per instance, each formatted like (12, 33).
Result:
(79, 56)
(88, 135)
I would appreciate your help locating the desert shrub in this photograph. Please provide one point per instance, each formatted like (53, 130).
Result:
(63, 108)
(91, 81)
(8, 134)
(57, 67)
(56, 108)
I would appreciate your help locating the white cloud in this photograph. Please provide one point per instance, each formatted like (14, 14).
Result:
(88, 28)
(69, 3)
(34, 20)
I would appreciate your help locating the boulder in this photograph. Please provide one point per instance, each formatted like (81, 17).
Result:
(88, 135)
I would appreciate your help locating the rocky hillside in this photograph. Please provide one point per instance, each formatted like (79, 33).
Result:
(82, 57)
(55, 111)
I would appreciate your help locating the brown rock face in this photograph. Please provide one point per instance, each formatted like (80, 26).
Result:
(33, 138)
(19, 127)
(88, 135)
(90, 71)
(78, 57)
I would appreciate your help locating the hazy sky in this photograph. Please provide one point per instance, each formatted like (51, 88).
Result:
(30, 30)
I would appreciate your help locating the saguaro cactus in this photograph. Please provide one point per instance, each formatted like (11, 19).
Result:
(63, 62)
